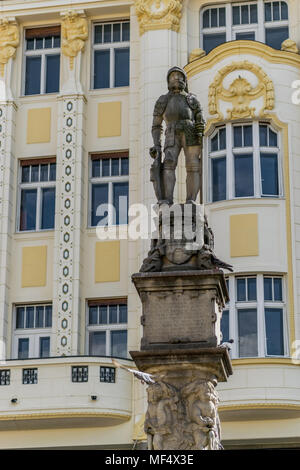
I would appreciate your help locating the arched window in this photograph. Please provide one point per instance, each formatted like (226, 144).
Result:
(264, 21)
(244, 162)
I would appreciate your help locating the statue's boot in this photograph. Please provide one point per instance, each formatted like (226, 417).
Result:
(192, 185)
(169, 179)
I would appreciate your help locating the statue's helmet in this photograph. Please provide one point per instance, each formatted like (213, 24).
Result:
(178, 69)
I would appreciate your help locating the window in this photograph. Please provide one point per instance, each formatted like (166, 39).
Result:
(109, 189)
(42, 60)
(255, 316)
(32, 331)
(107, 374)
(30, 376)
(111, 54)
(80, 374)
(262, 21)
(37, 194)
(244, 162)
(5, 377)
(107, 328)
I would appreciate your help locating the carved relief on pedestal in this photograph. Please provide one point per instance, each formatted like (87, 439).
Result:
(9, 41)
(158, 14)
(74, 34)
(241, 92)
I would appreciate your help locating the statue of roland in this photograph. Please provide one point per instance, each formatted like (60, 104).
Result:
(182, 114)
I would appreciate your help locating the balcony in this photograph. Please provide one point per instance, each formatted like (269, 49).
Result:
(64, 391)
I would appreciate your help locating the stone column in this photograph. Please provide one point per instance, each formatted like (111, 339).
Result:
(69, 188)
(9, 40)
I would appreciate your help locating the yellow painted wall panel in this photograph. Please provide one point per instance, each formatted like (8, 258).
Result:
(107, 261)
(38, 125)
(244, 235)
(34, 266)
(109, 119)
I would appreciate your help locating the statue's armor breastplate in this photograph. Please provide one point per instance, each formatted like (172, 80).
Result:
(177, 109)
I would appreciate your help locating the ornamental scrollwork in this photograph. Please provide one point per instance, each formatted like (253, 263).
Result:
(74, 34)
(241, 92)
(9, 41)
(158, 14)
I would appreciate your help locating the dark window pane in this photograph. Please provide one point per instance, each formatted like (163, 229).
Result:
(274, 331)
(95, 168)
(33, 76)
(103, 315)
(48, 42)
(48, 320)
(44, 172)
(23, 348)
(117, 32)
(236, 15)
(284, 11)
(29, 317)
(215, 143)
(39, 43)
(20, 317)
(48, 208)
(222, 139)
(52, 73)
(56, 42)
(253, 14)
(30, 44)
(268, 288)
(124, 166)
(115, 167)
(276, 36)
(118, 343)
(113, 314)
(263, 136)
(25, 174)
(222, 19)
(241, 290)
(45, 347)
(122, 313)
(245, 14)
(251, 283)
(238, 136)
(125, 31)
(247, 136)
(268, 12)
(52, 176)
(93, 315)
(276, 14)
(213, 17)
(243, 173)
(39, 317)
(219, 179)
(247, 326)
(210, 41)
(101, 69)
(97, 342)
(272, 138)
(277, 289)
(28, 209)
(269, 174)
(120, 203)
(99, 196)
(98, 34)
(106, 167)
(206, 19)
(122, 67)
(107, 33)
(35, 173)
(248, 36)
(225, 326)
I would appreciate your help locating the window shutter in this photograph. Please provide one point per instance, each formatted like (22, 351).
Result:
(42, 32)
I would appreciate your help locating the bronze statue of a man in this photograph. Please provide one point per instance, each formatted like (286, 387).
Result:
(182, 114)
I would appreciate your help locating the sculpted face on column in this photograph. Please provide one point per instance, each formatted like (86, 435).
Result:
(182, 114)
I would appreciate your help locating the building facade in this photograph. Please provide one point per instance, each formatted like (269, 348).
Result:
(78, 83)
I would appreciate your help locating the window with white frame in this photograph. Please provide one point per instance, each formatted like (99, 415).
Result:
(32, 331)
(107, 328)
(109, 189)
(244, 161)
(36, 194)
(255, 317)
(111, 54)
(264, 21)
(42, 60)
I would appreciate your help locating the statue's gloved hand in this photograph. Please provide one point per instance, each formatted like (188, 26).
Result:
(155, 152)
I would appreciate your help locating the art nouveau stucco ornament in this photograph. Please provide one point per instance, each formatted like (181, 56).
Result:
(289, 46)
(241, 92)
(158, 14)
(9, 41)
(74, 34)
